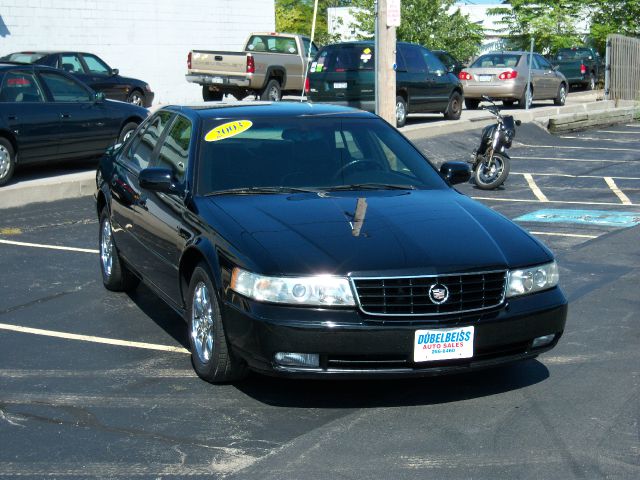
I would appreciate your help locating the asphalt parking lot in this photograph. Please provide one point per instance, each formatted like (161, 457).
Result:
(95, 384)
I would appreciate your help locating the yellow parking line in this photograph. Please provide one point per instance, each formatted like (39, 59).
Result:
(619, 193)
(51, 247)
(574, 159)
(560, 202)
(556, 234)
(90, 338)
(534, 188)
(580, 148)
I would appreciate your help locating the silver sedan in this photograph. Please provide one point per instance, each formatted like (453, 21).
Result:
(503, 76)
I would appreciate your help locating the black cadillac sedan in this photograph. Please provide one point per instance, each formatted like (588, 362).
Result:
(47, 115)
(315, 240)
(92, 70)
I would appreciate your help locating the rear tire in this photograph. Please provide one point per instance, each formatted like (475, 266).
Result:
(210, 354)
(488, 179)
(522, 102)
(471, 103)
(401, 111)
(454, 109)
(508, 103)
(209, 96)
(7, 161)
(561, 97)
(272, 92)
(115, 275)
(592, 85)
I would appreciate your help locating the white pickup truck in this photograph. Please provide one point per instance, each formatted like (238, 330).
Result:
(272, 64)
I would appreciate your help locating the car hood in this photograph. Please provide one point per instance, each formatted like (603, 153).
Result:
(402, 233)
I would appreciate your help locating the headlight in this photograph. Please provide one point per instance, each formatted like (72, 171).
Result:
(531, 280)
(318, 290)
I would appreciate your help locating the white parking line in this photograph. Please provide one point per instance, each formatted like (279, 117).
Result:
(633, 125)
(568, 175)
(90, 338)
(559, 202)
(557, 234)
(534, 188)
(617, 140)
(619, 193)
(618, 131)
(575, 159)
(580, 148)
(51, 247)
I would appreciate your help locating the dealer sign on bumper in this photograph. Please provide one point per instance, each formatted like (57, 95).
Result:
(443, 344)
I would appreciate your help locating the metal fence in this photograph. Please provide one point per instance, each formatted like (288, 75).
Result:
(622, 77)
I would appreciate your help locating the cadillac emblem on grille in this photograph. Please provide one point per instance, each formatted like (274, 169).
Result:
(438, 293)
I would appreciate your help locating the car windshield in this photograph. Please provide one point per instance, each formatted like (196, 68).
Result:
(500, 60)
(279, 155)
(345, 58)
(573, 54)
(23, 57)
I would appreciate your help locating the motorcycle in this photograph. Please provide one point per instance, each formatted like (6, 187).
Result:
(490, 162)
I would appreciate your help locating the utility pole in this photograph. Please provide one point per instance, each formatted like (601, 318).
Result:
(385, 51)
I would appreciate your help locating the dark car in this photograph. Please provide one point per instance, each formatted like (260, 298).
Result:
(47, 115)
(93, 71)
(582, 66)
(452, 64)
(315, 240)
(344, 73)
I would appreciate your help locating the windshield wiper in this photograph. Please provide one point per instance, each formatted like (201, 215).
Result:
(260, 190)
(371, 186)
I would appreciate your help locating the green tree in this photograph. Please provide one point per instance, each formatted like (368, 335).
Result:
(296, 16)
(551, 23)
(613, 16)
(431, 23)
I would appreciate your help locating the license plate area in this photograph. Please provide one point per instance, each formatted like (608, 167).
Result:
(339, 85)
(485, 78)
(217, 80)
(443, 344)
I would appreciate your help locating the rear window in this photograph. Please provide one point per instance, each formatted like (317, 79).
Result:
(571, 54)
(273, 44)
(496, 60)
(23, 57)
(308, 153)
(344, 58)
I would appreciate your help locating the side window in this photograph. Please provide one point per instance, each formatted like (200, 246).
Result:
(20, 87)
(414, 59)
(174, 153)
(95, 65)
(542, 63)
(433, 64)
(143, 146)
(401, 66)
(65, 89)
(70, 62)
(314, 49)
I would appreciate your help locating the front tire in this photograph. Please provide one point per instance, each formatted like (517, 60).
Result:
(7, 161)
(136, 97)
(210, 354)
(490, 178)
(115, 275)
(454, 109)
(127, 131)
(471, 103)
(272, 92)
(401, 111)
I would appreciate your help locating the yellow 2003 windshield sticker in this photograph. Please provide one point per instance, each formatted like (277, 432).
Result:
(228, 130)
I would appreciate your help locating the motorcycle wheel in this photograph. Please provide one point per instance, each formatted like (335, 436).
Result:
(493, 177)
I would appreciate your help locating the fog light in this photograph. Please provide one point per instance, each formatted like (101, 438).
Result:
(543, 341)
(288, 359)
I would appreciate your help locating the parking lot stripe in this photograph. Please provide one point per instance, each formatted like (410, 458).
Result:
(534, 188)
(557, 234)
(559, 202)
(90, 338)
(51, 247)
(568, 175)
(574, 159)
(617, 131)
(580, 148)
(619, 193)
(617, 140)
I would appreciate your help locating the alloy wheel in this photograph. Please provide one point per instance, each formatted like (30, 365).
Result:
(202, 322)
(401, 112)
(5, 161)
(489, 174)
(106, 248)
(135, 99)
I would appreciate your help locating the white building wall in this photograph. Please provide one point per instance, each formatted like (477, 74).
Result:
(145, 39)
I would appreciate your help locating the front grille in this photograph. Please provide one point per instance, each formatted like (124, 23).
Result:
(410, 295)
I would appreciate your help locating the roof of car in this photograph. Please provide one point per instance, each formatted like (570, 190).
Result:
(5, 65)
(267, 110)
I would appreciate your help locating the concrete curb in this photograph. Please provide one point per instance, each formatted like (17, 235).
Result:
(578, 121)
(50, 189)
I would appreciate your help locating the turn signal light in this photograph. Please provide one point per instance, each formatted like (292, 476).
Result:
(251, 65)
(306, 85)
(583, 69)
(509, 75)
(189, 61)
(465, 76)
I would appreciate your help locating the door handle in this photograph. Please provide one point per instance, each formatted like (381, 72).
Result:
(184, 233)
(65, 115)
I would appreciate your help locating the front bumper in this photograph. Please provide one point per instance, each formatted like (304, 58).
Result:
(354, 345)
